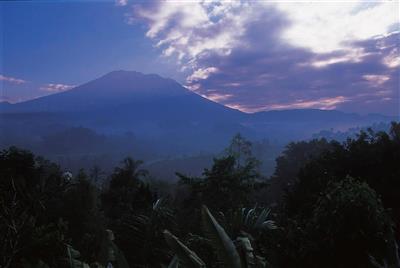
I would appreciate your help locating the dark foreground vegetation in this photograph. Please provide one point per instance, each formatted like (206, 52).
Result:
(328, 204)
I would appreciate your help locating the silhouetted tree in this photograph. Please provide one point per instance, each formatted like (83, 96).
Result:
(126, 191)
(347, 228)
(295, 156)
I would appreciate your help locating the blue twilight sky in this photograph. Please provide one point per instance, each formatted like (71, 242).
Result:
(249, 55)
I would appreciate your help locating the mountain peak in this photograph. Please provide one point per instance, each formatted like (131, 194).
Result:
(125, 74)
(122, 73)
(137, 82)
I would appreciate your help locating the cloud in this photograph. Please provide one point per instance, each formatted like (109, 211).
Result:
(328, 27)
(201, 74)
(12, 80)
(392, 60)
(188, 29)
(217, 97)
(121, 2)
(54, 88)
(322, 103)
(262, 55)
(376, 79)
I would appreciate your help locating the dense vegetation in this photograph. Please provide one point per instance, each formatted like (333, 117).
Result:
(328, 204)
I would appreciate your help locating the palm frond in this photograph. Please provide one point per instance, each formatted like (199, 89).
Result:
(186, 256)
(226, 250)
(174, 262)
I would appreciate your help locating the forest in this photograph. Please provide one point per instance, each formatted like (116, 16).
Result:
(328, 204)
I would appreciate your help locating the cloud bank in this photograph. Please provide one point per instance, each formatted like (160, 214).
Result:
(261, 55)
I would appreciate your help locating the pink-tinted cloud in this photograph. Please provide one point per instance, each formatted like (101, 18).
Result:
(12, 80)
(322, 103)
(54, 88)
(218, 97)
(376, 79)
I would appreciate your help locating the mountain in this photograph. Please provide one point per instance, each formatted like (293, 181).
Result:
(129, 94)
(159, 112)
(116, 89)
(5, 104)
(150, 106)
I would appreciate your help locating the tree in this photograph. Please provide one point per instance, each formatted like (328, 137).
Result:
(229, 183)
(370, 157)
(236, 253)
(126, 191)
(348, 226)
(142, 234)
(45, 214)
(81, 209)
(128, 205)
(295, 156)
(97, 175)
(241, 150)
(30, 194)
(130, 174)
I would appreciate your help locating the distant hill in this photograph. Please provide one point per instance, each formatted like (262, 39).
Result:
(303, 123)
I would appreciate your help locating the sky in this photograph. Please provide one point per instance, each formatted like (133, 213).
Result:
(248, 55)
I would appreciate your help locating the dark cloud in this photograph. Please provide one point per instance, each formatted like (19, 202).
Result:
(272, 75)
(241, 55)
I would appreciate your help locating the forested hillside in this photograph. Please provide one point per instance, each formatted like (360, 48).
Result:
(328, 204)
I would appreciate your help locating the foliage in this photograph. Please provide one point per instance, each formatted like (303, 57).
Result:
(288, 164)
(348, 224)
(126, 191)
(241, 150)
(229, 183)
(340, 209)
(371, 159)
(185, 256)
(143, 234)
(29, 193)
(220, 240)
(43, 211)
(236, 254)
(249, 220)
